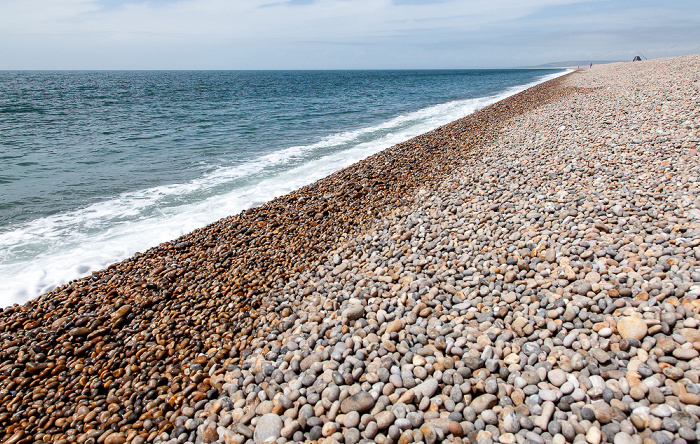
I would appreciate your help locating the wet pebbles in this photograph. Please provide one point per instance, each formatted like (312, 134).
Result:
(526, 274)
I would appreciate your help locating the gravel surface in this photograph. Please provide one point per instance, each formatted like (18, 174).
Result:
(528, 274)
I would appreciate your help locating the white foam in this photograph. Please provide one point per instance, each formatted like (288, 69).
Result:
(51, 251)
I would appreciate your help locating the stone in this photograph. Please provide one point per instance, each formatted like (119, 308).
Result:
(662, 411)
(583, 288)
(623, 438)
(511, 359)
(687, 433)
(354, 312)
(429, 434)
(684, 418)
(587, 414)
(120, 438)
(511, 423)
(328, 429)
(351, 436)
(456, 394)
(603, 412)
(210, 435)
(632, 327)
(121, 312)
(685, 354)
(352, 419)
(315, 433)
(600, 355)
(359, 402)
(690, 334)
(593, 436)
(427, 388)
(384, 419)
(670, 424)
(340, 269)
(310, 360)
(483, 402)
(268, 428)
(455, 428)
(394, 326)
(79, 331)
(557, 377)
(244, 430)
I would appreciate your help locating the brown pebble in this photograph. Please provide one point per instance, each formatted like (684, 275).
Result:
(15, 438)
(79, 331)
(685, 354)
(689, 398)
(394, 326)
(210, 435)
(116, 438)
(455, 428)
(406, 437)
(638, 422)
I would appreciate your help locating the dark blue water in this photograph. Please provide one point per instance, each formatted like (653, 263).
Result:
(95, 166)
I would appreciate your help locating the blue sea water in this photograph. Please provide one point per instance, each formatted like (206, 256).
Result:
(95, 166)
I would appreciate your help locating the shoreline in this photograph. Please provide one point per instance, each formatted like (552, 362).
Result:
(184, 331)
(292, 211)
(119, 231)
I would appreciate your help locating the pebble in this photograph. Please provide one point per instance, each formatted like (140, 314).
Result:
(600, 356)
(354, 312)
(593, 436)
(115, 438)
(427, 388)
(483, 402)
(384, 419)
(268, 428)
(511, 423)
(557, 377)
(685, 354)
(632, 327)
(359, 402)
(662, 411)
(623, 438)
(687, 433)
(455, 428)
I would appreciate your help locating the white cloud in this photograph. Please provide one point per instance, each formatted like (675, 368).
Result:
(255, 17)
(41, 15)
(265, 34)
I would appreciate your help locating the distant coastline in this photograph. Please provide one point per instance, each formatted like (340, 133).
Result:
(569, 64)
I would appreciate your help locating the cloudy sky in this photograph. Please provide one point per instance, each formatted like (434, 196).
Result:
(338, 34)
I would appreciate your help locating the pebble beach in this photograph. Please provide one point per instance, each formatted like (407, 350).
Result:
(526, 274)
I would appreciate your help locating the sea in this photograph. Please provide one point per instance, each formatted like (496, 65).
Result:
(96, 166)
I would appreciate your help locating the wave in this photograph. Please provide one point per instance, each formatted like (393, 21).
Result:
(51, 251)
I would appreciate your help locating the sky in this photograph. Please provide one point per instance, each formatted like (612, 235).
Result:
(339, 34)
